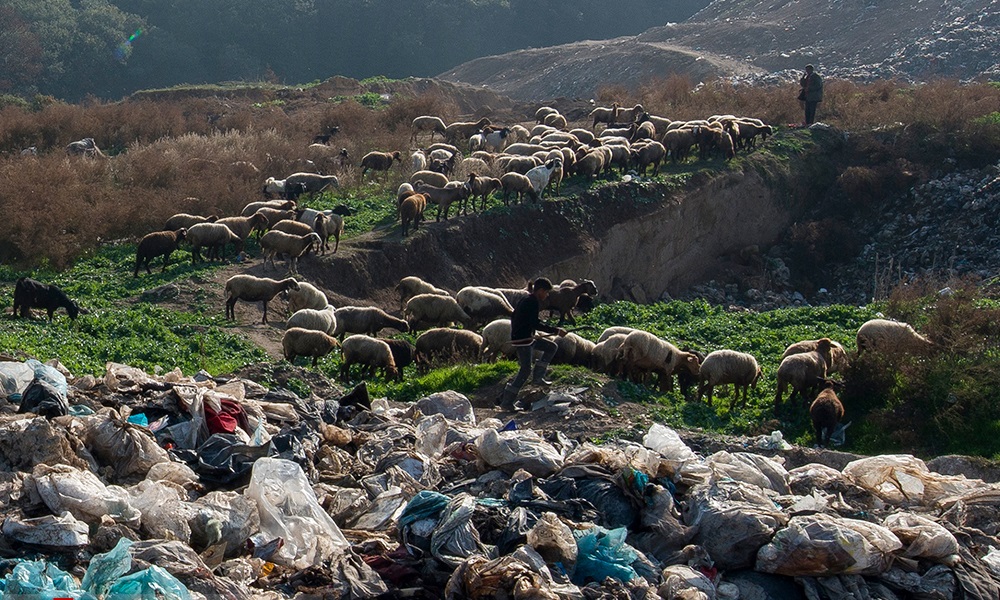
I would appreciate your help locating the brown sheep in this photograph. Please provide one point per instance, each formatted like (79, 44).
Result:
(185, 221)
(648, 154)
(826, 412)
(411, 211)
(379, 161)
(427, 123)
(589, 163)
(483, 187)
(516, 182)
(158, 243)
(443, 197)
(804, 371)
(565, 298)
(430, 177)
(462, 131)
(243, 226)
(678, 143)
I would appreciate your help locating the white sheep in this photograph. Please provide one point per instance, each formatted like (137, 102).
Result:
(496, 340)
(430, 177)
(477, 142)
(254, 289)
(312, 183)
(605, 354)
(838, 355)
(371, 352)
(411, 286)
(496, 139)
(518, 133)
(185, 221)
(293, 246)
(418, 161)
(540, 176)
(324, 320)
(433, 309)
(213, 236)
(366, 319)
(883, 335)
(306, 296)
(513, 295)
(443, 343)
(803, 371)
(644, 352)
(728, 366)
(482, 305)
(297, 341)
(253, 207)
(615, 330)
(543, 112)
(573, 350)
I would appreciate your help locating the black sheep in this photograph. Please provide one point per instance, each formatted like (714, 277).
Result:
(158, 243)
(402, 354)
(29, 294)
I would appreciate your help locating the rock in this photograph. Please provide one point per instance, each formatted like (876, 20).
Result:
(161, 293)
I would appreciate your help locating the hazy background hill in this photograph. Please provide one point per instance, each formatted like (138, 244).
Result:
(71, 49)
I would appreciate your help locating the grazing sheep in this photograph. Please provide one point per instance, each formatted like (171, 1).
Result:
(293, 246)
(254, 289)
(557, 121)
(543, 112)
(605, 355)
(616, 330)
(564, 299)
(434, 310)
(30, 293)
(244, 226)
(896, 337)
(602, 114)
(427, 123)
(306, 296)
(496, 340)
(513, 295)
(366, 319)
(324, 320)
(402, 354)
(411, 211)
(516, 182)
(213, 236)
(517, 164)
(749, 132)
(838, 356)
(464, 130)
(573, 350)
(158, 243)
(826, 412)
(684, 377)
(659, 123)
(429, 177)
(540, 176)
(589, 163)
(185, 221)
(496, 140)
(803, 371)
(446, 344)
(297, 341)
(443, 197)
(619, 132)
(482, 305)
(291, 227)
(312, 183)
(253, 207)
(411, 286)
(482, 187)
(644, 352)
(370, 352)
(728, 366)
(648, 154)
(379, 161)
(445, 166)
(404, 191)
(85, 147)
(274, 215)
(418, 161)
(643, 131)
(678, 143)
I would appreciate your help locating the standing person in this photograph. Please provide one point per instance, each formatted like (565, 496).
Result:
(812, 93)
(523, 325)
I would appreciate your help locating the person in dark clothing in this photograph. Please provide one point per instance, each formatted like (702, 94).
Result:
(523, 325)
(812, 93)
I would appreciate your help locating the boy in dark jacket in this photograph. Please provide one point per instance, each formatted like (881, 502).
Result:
(523, 325)
(812, 93)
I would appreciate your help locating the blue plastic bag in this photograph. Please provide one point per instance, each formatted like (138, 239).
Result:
(105, 568)
(153, 583)
(41, 580)
(49, 375)
(603, 553)
(425, 505)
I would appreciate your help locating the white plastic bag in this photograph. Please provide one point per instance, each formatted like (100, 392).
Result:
(164, 513)
(289, 510)
(821, 546)
(64, 488)
(14, 377)
(520, 449)
(750, 468)
(922, 538)
(901, 479)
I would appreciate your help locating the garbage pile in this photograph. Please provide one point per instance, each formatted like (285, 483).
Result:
(179, 487)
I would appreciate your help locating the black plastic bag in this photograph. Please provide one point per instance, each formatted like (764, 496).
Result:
(43, 399)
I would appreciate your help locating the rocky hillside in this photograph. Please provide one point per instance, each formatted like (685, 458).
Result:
(749, 38)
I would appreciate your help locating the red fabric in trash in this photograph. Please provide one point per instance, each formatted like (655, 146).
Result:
(230, 416)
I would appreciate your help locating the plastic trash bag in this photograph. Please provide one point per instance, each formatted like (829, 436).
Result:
(383, 511)
(821, 546)
(522, 574)
(49, 375)
(554, 542)
(174, 472)
(922, 537)
(164, 513)
(432, 433)
(125, 379)
(153, 582)
(63, 488)
(680, 462)
(677, 578)
(732, 521)
(455, 538)
(62, 531)
(105, 569)
(40, 580)
(43, 399)
(901, 479)
(603, 553)
(523, 449)
(223, 517)
(130, 449)
(289, 510)
(14, 377)
(750, 468)
(452, 405)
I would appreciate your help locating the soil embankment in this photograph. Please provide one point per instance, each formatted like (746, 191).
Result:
(636, 240)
